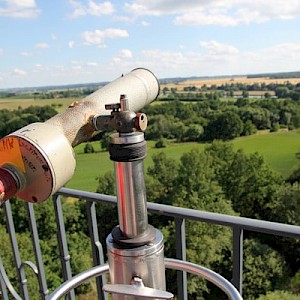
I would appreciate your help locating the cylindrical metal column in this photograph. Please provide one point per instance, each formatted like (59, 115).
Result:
(132, 207)
(128, 152)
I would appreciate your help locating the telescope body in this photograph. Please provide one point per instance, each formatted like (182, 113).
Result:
(38, 159)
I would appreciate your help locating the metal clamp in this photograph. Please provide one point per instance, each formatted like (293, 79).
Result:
(137, 288)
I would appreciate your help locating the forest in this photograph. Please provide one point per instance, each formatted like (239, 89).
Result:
(219, 179)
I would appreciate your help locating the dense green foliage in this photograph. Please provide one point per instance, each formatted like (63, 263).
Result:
(212, 112)
(207, 120)
(218, 179)
(279, 295)
(13, 120)
(223, 180)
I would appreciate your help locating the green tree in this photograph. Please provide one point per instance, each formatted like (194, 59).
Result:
(105, 140)
(43, 113)
(245, 179)
(249, 128)
(196, 187)
(282, 92)
(284, 207)
(267, 95)
(226, 126)
(295, 283)
(88, 148)
(194, 132)
(161, 179)
(275, 127)
(279, 295)
(161, 143)
(250, 184)
(264, 269)
(260, 117)
(245, 94)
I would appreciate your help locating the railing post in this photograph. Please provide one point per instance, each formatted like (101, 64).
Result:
(237, 275)
(37, 251)
(97, 249)
(16, 253)
(62, 243)
(3, 289)
(181, 255)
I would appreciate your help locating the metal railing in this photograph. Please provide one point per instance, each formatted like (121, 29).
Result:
(180, 215)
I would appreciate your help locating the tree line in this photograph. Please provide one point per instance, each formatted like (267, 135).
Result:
(211, 119)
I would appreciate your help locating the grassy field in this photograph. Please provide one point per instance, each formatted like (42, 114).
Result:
(14, 103)
(278, 149)
(92, 165)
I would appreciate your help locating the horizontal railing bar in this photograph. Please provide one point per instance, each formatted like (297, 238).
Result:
(192, 214)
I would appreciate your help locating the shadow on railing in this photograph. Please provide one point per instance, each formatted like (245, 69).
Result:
(180, 215)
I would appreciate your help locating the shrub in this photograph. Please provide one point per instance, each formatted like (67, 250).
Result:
(279, 295)
(160, 143)
(88, 148)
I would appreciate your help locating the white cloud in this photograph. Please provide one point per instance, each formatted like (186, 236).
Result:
(145, 23)
(285, 49)
(221, 59)
(19, 9)
(91, 8)
(201, 17)
(71, 44)
(78, 9)
(217, 48)
(285, 54)
(125, 53)
(98, 37)
(92, 64)
(19, 72)
(26, 53)
(1, 51)
(122, 56)
(53, 37)
(76, 68)
(42, 45)
(217, 12)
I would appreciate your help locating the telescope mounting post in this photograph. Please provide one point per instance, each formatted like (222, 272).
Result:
(135, 248)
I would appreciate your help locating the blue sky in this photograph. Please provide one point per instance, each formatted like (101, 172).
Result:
(76, 41)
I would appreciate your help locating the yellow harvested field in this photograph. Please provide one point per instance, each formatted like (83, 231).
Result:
(198, 83)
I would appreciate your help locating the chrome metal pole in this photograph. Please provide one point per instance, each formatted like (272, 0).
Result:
(131, 191)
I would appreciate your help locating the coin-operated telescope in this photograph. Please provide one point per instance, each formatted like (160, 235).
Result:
(38, 159)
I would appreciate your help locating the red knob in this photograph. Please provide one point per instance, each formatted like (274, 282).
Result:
(8, 185)
(140, 122)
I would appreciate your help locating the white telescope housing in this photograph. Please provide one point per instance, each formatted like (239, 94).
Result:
(38, 159)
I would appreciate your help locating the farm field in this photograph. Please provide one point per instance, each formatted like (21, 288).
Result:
(278, 150)
(14, 103)
(198, 83)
